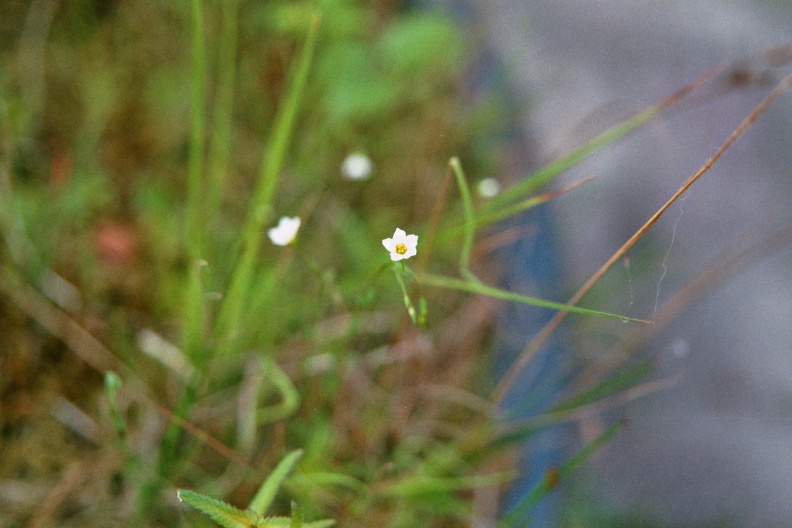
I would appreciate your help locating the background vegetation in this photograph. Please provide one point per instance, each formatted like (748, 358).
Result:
(153, 338)
(135, 140)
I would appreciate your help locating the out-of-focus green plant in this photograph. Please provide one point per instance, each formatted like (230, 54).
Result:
(254, 516)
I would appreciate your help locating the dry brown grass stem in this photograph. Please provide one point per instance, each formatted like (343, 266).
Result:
(93, 352)
(529, 352)
(724, 265)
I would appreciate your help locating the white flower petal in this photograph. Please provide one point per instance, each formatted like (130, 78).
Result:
(401, 246)
(285, 232)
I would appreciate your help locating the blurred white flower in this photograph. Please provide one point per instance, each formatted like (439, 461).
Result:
(357, 166)
(401, 246)
(285, 232)
(488, 187)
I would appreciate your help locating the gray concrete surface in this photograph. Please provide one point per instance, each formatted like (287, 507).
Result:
(717, 447)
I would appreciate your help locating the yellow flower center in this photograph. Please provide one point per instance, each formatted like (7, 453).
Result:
(401, 249)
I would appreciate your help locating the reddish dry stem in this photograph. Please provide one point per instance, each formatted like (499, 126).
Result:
(536, 343)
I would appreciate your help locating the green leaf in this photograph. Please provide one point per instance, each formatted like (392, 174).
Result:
(274, 154)
(286, 522)
(422, 45)
(290, 397)
(618, 382)
(328, 478)
(470, 222)
(550, 171)
(297, 516)
(112, 385)
(275, 522)
(324, 523)
(450, 283)
(266, 493)
(221, 512)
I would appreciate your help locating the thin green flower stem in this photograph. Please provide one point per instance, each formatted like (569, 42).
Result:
(297, 516)
(423, 307)
(266, 492)
(450, 283)
(434, 222)
(536, 343)
(470, 220)
(275, 151)
(197, 130)
(194, 232)
(274, 154)
(224, 110)
(511, 210)
(407, 302)
(289, 395)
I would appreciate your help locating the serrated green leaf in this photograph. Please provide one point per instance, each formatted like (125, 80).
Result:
(221, 512)
(275, 522)
(266, 493)
(286, 522)
(324, 523)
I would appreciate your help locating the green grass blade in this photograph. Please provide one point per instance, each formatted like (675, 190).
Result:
(470, 220)
(327, 478)
(451, 283)
(491, 217)
(194, 232)
(221, 512)
(260, 209)
(223, 111)
(112, 384)
(275, 151)
(297, 516)
(286, 522)
(552, 170)
(290, 397)
(266, 493)
(618, 382)
(552, 479)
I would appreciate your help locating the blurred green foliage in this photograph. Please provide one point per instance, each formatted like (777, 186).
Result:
(145, 148)
(95, 109)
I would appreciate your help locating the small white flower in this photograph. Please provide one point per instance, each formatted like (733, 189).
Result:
(285, 232)
(357, 166)
(488, 187)
(401, 246)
